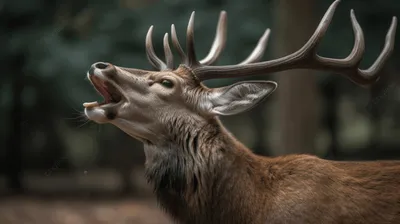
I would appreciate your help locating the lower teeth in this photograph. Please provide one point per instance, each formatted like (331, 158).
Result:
(91, 104)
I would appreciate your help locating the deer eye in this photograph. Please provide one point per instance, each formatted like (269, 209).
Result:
(167, 83)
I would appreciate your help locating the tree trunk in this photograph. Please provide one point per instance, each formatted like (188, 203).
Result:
(331, 93)
(297, 93)
(14, 144)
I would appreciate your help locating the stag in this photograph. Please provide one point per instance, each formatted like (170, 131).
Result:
(199, 171)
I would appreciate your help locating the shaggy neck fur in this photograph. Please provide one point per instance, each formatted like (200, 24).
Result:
(202, 175)
(196, 166)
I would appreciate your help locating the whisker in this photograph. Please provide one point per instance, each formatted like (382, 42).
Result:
(74, 118)
(83, 124)
(99, 128)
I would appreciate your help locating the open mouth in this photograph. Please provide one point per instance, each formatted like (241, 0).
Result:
(110, 94)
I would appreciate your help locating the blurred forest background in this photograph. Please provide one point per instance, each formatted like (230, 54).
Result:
(58, 168)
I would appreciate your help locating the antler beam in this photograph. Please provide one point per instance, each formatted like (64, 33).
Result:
(306, 57)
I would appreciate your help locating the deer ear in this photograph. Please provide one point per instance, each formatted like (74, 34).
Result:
(240, 96)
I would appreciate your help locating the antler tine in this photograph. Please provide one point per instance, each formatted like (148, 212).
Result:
(191, 53)
(313, 42)
(190, 58)
(168, 53)
(259, 50)
(307, 58)
(219, 41)
(386, 52)
(177, 45)
(356, 54)
(151, 55)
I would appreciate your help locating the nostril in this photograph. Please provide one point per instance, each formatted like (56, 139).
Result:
(101, 65)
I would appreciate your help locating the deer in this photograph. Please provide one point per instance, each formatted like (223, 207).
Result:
(201, 173)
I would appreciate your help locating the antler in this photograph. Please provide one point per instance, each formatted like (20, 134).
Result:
(189, 59)
(305, 58)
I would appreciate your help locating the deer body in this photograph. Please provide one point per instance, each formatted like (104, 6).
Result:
(202, 174)
(224, 182)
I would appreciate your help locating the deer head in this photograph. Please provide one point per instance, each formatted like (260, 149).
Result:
(147, 104)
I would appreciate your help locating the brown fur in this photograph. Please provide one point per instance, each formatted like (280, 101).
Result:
(236, 186)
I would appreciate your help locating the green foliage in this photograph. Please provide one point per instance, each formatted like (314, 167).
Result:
(61, 40)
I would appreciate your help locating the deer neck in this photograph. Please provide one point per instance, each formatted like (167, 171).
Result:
(189, 147)
(193, 167)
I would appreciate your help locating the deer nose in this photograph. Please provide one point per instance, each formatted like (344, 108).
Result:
(98, 65)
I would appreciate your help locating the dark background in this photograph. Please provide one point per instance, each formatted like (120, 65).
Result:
(56, 167)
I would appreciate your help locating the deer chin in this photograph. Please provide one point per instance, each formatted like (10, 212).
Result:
(101, 113)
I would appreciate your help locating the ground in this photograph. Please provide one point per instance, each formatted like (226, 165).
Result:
(32, 210)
